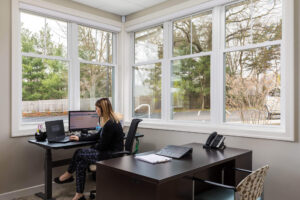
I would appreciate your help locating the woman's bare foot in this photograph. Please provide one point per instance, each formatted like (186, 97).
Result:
(65, 176)
(77, 196)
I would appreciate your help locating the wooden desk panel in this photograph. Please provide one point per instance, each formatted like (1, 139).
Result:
(129, 178)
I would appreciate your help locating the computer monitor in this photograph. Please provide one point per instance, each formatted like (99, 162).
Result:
(83, 120)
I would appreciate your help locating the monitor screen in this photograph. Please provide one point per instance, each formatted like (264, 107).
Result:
(83, 120)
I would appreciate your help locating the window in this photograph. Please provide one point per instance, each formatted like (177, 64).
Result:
(44, 68)
(224, 68)
(64, 66)
(252, 72)
(94, 48)
(191, 76)
(148, 51)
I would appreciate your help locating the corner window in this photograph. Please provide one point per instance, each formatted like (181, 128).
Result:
(225, 68)
(64, 66)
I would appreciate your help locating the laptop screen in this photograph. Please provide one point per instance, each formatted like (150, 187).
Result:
(55, 129)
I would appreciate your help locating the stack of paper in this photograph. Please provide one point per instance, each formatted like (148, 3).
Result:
(153, 158)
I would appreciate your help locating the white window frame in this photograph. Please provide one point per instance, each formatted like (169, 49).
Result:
(286, 131)
(65, 14)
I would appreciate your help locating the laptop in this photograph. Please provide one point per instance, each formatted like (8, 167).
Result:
(56, 132)
(174, 151)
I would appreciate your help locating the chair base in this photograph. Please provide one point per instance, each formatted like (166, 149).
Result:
(217, 194)
(92, 194)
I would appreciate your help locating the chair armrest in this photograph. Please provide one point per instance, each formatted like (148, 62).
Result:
(120, 153)
(136, 136)
(243, 170)
(216, 184)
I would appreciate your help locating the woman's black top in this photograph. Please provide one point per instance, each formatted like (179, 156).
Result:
(109, 139)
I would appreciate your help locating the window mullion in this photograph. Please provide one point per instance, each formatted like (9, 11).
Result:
(74, 74)
(166, 72)
(217, 67)
(115, 73)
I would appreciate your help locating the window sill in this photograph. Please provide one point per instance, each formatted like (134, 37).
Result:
(271, 132)
(30, 129)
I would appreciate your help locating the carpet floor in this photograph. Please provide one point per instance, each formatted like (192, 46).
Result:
(65, 191)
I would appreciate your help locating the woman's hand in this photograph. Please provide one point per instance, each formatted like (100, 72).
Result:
(74, 138)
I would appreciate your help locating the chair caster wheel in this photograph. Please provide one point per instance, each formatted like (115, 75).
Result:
(92, 196)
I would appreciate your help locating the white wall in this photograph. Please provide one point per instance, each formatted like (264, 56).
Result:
(283, 179)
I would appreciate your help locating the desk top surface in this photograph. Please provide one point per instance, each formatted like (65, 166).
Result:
(72, 144)
(199, 158)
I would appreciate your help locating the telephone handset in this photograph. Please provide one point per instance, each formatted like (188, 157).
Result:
(215, 141)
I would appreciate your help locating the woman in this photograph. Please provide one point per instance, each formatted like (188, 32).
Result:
(109, 139)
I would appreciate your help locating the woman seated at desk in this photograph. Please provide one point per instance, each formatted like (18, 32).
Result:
(109, 139)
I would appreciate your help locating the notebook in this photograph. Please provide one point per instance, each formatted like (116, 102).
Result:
(153, 158)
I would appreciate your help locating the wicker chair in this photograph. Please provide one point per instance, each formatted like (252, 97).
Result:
(250, 188)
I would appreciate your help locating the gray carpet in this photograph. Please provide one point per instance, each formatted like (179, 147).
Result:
(65, 191)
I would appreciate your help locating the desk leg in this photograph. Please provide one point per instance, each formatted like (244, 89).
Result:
(48, 177)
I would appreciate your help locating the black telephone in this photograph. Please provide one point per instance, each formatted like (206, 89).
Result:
(215, 141)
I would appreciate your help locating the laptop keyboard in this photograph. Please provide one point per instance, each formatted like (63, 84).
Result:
(174, 151)
(65, 140)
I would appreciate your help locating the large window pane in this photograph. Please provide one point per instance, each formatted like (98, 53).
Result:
(147, 91)
(95, 82)
(182, 37)
(253, 21)
(42, 35)
(238, 24)
(44, 89)
(94, 45)
(191, 89)
(253, 86)
(202, 32)
(149, 44)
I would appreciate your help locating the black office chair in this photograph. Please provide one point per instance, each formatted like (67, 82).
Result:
(129, 140)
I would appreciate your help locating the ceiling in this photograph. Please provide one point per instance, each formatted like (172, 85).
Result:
(120, 7)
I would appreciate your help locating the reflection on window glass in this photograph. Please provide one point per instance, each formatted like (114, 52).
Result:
(94, 45)
(253, 86)
(182, 37)
(147, 91)
(95, 82)
(148, 44)
(202, 32)
(44, 89)
(42, 35)
(267, 20)
(255, 21)
(191, 89)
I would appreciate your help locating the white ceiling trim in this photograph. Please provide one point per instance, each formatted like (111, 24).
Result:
(59, 12)
(120, 7)
(139, 24)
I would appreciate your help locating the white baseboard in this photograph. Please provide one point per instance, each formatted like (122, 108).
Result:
(22, 192)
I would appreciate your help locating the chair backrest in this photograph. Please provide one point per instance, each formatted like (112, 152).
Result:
(251, 187)
(131, 134)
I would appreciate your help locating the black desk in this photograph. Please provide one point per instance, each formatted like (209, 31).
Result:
(49, 164)
(127, 178)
